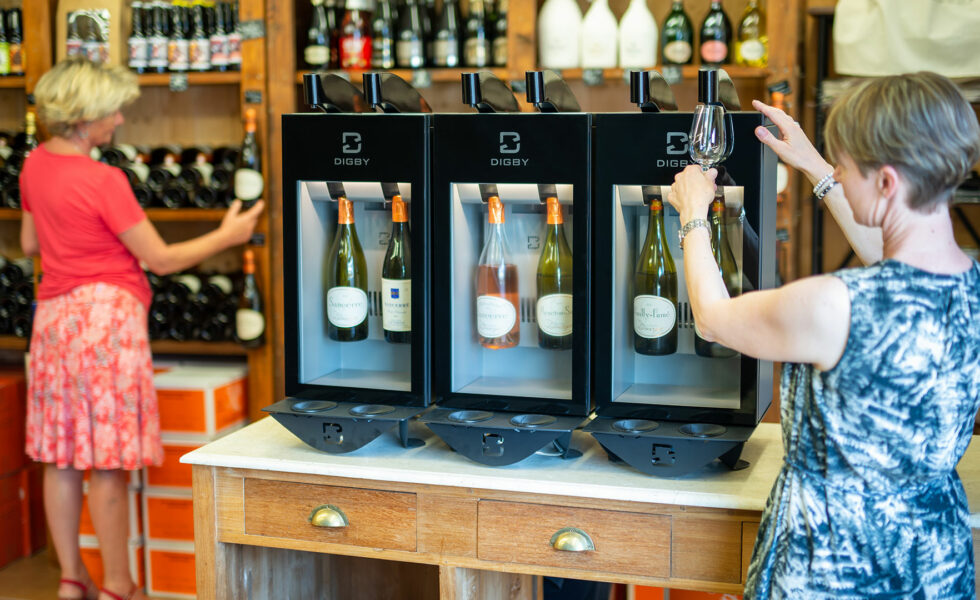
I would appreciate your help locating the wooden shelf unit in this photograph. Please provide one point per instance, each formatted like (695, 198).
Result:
(211, 107)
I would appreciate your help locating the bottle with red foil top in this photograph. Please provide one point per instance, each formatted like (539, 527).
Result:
(497, 295)
(355, 35)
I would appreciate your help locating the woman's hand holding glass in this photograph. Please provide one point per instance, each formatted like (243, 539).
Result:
(692, 192)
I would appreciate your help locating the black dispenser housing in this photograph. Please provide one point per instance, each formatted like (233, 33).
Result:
(497, 407)
(342, 395)
(671, 415)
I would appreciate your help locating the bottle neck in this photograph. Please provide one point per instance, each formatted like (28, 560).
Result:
(345, 211)
(655, 229)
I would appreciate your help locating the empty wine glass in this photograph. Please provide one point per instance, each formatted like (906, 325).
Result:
(708, 141)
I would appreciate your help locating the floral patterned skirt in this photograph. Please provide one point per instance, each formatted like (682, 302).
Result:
(90, 398)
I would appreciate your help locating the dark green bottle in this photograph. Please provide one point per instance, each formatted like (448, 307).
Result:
(677, 37)
(347, 301)
(655, 290)
(722, 252)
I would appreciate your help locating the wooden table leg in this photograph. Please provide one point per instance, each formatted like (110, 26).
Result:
(457, 583)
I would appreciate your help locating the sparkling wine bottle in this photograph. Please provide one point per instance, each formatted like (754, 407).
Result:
(497, 295)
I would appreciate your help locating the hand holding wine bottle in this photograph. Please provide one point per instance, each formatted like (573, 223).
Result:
(237, 226)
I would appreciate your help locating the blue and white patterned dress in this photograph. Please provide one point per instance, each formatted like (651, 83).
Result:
(868, 503)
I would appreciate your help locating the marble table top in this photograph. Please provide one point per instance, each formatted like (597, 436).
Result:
(267, 445)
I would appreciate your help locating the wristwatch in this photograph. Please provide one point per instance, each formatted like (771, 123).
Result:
(689, 227)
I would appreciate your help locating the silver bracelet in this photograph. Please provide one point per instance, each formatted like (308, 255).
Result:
(689, 227)
(828, 181)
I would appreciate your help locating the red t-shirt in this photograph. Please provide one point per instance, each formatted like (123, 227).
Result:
(80, 206)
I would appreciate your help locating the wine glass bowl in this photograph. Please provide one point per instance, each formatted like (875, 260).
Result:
(708, 138)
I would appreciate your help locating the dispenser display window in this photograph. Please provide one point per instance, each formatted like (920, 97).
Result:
(355, 285)
(512, 290)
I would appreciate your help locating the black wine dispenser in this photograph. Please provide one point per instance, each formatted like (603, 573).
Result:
(499, 406)
(671, 415)
(342, 395)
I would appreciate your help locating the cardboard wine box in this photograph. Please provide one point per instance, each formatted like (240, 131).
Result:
(119, 19)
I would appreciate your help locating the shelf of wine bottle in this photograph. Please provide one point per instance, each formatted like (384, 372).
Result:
(9, 214)
(161, 215)
(205, 78)
(197, 347)
(12, 342)
(12, 82)
(435, 74)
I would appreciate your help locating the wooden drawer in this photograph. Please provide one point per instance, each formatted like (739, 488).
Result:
(625, 542)
(376, 519)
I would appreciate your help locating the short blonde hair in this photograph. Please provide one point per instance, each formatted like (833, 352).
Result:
(919, 123)
(77, 90)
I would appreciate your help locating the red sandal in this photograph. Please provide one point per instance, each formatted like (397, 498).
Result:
(115, 596)
(89, 592)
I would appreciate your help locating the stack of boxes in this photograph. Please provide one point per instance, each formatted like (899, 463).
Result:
(22, 530)
(198, 404)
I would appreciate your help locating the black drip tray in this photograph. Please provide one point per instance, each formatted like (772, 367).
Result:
(469, 416)
(313, 406)
(634, 425)
(702, 430)
(532, 420)
(371, 410)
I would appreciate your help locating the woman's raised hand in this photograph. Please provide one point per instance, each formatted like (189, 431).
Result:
(239, 225)
(792, 146)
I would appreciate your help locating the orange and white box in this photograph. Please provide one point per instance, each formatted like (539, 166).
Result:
(132, 502)
(172, 473)
(170, 569)
(92, 559)
(168, 515)
(204, 400)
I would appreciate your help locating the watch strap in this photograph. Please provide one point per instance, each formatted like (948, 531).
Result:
(689, 227)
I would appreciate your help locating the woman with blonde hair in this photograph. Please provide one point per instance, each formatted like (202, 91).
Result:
(91, 402)
(882, 381)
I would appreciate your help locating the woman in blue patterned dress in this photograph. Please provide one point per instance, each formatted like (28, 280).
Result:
(882, 381)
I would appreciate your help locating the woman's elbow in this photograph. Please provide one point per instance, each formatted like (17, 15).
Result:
(30, 248)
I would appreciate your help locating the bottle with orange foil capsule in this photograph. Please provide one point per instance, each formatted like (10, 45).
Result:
(396, 278)
(497, 296)
(347, 301)
(554, 305)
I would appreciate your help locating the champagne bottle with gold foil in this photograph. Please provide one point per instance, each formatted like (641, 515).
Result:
(554, 306)
(722, 252)
(347, 301)
(497, 295)
(751, 39)
(655, 290)
(396, 278)
(249, 320)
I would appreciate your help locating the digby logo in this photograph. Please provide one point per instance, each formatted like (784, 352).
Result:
(352, 142)
(510, 142)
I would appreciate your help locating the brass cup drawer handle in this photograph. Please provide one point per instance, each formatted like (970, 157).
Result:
(572, 539)
(328, 515)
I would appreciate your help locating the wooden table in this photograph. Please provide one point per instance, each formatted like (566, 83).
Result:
(426, 523)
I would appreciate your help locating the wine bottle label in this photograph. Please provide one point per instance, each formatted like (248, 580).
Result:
(222, 282)
(178, 55)
(346, 306)
(382, 52)
(396, 304)
(5, 152)
(677, 51)
(249, 324)
(445, 53)
(234, 48)
(158, 52)
(554, 314)
(73, 48)
(16, 59)
(495, 316)
(477, 52)
(410, 53)
(316, 55)
(142, 170)
(355, 52)
(500, 51)
(191, 282)
(248, 184)
(752, 50)
(219, 50)
(653, 316)
(200, 54)
(138, 53)
(714, 51)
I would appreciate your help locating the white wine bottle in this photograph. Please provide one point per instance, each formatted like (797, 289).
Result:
(751, 40)
(599, 37)
(677, 36)
(249, 182)
(497, 295)
(655, 290)
(396, 278)
(554, 306)
(347, 302)
(637, 37)
(559, 31)
(249, 320)
(722, 252)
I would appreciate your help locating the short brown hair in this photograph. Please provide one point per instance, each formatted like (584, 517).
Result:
(919, 123)
(77, 90)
